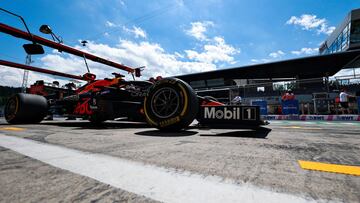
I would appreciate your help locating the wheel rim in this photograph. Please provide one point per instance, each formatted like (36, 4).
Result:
(165, 102)
(11, 108)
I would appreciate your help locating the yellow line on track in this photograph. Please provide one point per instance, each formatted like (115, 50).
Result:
(299, 127)
(12, 128)
(333, 168)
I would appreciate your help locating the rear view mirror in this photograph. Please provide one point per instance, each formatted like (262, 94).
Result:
(33, 49)
(89, 77)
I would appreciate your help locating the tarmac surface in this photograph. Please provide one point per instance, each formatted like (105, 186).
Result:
(266, 159)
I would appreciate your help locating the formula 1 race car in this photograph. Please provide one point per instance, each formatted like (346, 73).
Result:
(167, 104)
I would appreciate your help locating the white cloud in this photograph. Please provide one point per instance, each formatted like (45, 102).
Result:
(311, 22)
(260, 60)
(64, 63)
(177, 54)
(198, 29)
(217, 51)
(277, 54)
(179, 3)
(13, 77)
(137, 31)
(214, 50)
(327, 30)
(132, 54)
(10, 77)
(121, 2)
(306, 51)
(273, 56)
(110, 24)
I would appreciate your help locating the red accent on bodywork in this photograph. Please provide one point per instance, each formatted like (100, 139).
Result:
(96, 85)
(83, 108)
(38, 90)
(211, 103)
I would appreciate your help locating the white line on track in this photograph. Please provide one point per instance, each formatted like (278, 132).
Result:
(166, 185)
(350, 123)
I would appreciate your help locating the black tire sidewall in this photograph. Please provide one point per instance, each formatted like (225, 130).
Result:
(30, 109)
(184, 115)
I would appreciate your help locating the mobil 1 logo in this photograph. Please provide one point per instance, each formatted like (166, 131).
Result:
(248, 113)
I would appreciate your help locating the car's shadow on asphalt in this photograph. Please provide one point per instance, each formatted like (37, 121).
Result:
(102, 126)
(259, 133)
(158, 133)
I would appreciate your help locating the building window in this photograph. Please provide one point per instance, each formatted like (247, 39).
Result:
(355, 32)
(215, 82)
(197, 84)
(341, 42)
(346, 34)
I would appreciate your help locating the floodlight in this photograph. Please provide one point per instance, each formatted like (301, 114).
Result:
(45, 29)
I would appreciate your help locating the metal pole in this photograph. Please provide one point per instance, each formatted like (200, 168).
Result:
(327, 84)
(21, 34)
(354, 72)
(26, 74)
(87, 67)
(22, 19)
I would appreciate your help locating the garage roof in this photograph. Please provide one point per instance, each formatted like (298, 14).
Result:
(307, 67)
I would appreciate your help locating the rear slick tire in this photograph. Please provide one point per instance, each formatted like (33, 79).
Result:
(171, 105)
(25, 109)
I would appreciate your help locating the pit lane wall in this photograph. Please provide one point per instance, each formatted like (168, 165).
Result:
(313, 117)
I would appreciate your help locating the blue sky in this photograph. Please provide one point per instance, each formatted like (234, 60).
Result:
(172, 37)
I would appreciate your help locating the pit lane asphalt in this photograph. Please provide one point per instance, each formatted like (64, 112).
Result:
(266, 159)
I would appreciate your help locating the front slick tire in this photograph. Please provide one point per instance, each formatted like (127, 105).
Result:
(171, 105)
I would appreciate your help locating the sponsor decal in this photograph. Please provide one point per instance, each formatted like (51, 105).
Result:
(345, 118)
(315, 118)
(135, 91)
(225, 113)
(105, 92)
(72, 98)
(290, 107)
(169, 121)
(293, 117)
(269, 117)
(138, 93)
(83, 108)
